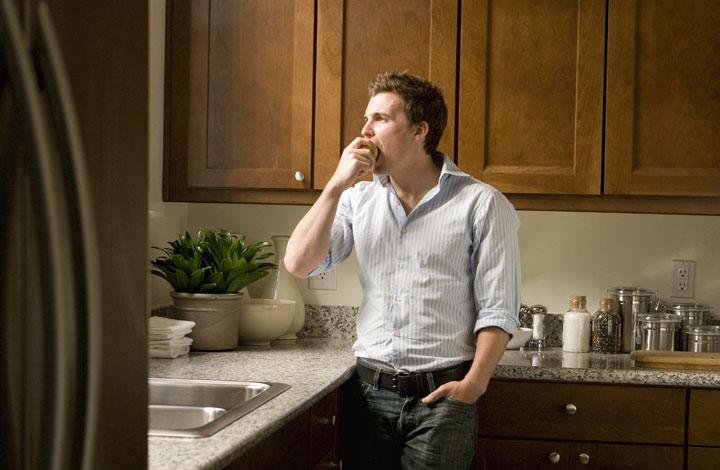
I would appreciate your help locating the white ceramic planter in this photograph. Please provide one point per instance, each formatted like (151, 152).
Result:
(216, 318)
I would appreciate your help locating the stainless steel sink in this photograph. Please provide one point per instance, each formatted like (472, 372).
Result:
(200, 408)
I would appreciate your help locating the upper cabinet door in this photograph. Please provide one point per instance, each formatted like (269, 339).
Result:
(531, 94)
(663, 98)
(358, 39)
(239, 95)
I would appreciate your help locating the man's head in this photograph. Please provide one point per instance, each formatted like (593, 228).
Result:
(422, 102)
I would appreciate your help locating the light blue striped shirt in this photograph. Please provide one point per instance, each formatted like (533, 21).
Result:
(433, 278)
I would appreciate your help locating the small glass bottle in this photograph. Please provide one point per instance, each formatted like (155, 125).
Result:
(606, 334)
(576, 326)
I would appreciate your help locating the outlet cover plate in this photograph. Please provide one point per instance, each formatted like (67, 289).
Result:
(324, 281)
(683, 278)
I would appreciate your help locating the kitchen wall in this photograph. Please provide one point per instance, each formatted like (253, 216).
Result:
(166, 220)
(563, 253)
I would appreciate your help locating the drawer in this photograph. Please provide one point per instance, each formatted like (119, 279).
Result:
(704, 422)
(615, 413)
(323, 421)
(502, 454)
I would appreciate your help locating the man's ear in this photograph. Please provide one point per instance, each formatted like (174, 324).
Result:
(422, 129)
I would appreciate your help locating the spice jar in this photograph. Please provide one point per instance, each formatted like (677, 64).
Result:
(576, 326)
(606, 334)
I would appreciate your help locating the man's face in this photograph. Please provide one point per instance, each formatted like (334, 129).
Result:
(388, 128)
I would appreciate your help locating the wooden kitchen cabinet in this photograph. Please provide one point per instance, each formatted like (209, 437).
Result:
(307, 442)
(528, 425)
(663, 98)
(238, 101)
(356, 40)
(704, 429)
(502, 454)
(531, 95)
(531, 103)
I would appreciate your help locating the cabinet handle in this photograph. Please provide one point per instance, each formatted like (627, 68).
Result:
(325, 421)
(554, 457)
(299, 176)
(584, 458)
(570, 409)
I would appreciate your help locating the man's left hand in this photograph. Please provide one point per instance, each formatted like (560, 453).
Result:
(464, 390)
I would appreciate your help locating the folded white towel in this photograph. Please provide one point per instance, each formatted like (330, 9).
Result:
(168, 325)
(167, 337)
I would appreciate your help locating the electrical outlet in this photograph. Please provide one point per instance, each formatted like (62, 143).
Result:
(323, 281)
(683, 278)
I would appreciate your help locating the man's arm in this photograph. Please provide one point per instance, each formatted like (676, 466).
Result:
(310, 241)
(491, 344)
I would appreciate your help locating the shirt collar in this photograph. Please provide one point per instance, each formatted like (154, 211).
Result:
(448, 168)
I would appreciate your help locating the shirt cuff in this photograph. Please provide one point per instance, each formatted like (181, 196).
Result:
(502, 319)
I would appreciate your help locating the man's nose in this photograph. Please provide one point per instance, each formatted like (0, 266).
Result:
(367, 130)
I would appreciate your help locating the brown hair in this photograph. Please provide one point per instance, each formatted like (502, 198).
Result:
(422, 101)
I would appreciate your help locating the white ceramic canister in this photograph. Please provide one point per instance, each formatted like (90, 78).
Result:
(282, 285)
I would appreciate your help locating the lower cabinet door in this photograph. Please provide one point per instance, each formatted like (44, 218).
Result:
(503, 454)
(703, 458)
(584, 456)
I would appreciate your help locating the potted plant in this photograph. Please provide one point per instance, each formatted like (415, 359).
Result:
(207, 273)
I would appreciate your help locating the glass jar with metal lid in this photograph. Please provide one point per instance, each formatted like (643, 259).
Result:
(704, 338)
(660, 332)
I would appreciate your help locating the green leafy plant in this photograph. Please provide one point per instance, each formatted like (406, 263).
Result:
(211, 263)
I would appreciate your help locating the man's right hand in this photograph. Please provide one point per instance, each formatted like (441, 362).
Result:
(356, 160)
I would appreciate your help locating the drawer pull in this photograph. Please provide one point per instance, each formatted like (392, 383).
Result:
(570, 409)
(584, 458)
(325, 421)
(299, 176)
(554, 457)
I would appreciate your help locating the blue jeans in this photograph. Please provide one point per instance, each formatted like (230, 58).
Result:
(384, 430)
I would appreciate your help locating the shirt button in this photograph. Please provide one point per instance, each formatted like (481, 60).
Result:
(400, 265)
(403, 231)
(397, 298)
(396, 333)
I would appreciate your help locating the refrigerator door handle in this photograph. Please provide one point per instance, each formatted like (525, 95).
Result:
(51, 374)
(81, 218)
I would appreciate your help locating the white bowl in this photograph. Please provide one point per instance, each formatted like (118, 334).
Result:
(520, 337)
(263, 320)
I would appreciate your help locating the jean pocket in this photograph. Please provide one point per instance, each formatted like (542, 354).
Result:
(461, 404)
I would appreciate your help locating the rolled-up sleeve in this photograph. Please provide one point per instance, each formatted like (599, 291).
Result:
(496, 260)
(341, 236)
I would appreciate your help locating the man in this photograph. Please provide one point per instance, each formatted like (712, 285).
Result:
(438, 262)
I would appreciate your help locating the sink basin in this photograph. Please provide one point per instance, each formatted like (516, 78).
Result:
(200, 408)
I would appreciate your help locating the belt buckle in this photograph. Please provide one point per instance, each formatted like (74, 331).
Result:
(394, 381)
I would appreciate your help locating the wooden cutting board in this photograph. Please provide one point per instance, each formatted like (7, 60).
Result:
(676, 359)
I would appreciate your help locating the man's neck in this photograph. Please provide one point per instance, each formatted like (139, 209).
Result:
(410, 186)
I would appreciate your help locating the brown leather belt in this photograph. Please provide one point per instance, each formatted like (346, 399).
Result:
(416, 384)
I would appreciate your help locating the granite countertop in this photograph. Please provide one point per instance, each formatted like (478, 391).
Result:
(314, 367)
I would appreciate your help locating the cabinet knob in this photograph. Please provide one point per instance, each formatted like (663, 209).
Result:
(570, 409)
(325, 421)
(299, 176)
(554, 457)
(584, 458)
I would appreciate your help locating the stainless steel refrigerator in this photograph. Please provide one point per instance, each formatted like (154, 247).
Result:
(73, 222)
